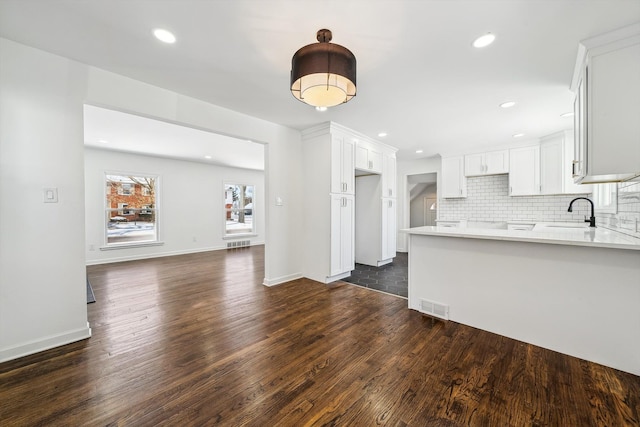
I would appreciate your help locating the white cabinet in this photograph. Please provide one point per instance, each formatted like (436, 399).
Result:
(342, 235)
(388, 230)
(389, 176)
(551, 162)
(556, 152)
(454, 183)
(342, 165)
(368, 157)
(524, 171)
(607, 106)
(490, 163)
(328, 202)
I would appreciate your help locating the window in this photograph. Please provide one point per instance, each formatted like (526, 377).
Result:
(131, 209)
(122, 209)
(125, 189)
(238, 209)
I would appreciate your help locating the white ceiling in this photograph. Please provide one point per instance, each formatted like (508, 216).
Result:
(419, 78)
(114, 130)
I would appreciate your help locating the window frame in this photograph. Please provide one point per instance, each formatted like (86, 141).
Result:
(253, 232)
(107, 210)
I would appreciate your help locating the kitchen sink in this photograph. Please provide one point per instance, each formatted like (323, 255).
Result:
(561, 226)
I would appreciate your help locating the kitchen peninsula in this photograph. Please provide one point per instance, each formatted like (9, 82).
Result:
(572, 290)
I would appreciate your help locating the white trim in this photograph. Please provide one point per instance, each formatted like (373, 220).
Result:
(282, 279)
(161, 254)
(115, 246)
(45, 343)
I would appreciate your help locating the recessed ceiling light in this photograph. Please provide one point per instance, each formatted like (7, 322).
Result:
(418, 151)
(518, 135)
(164, 35)
(321, 108)
(382, 134)
(104, 141)
(207, 157)
(507, 104)
(484, 41)
(567, 114)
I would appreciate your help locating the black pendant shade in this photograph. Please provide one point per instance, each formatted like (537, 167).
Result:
(323, 74)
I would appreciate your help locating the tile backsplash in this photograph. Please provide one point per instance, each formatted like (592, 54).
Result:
(488, 200)
(627, 217)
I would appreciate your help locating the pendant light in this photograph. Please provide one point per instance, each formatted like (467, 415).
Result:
(323, 74)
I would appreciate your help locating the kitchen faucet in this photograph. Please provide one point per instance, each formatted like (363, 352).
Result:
(592, 220)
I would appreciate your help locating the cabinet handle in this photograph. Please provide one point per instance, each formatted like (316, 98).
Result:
(390, 204)
(390, 192)
(370, 164)
(461, 191)
(510, 190)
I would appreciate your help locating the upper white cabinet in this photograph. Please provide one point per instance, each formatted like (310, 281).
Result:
(490, 163)
(606, 82)
(454, 183)
(368, 157)
(556, 154)
(389, 179)
(342, 164)
(524, 171)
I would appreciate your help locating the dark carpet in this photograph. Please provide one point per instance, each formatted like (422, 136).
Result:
(90, 297)
(391, 278)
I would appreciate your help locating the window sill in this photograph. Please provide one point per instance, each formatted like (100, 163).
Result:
(239, 236)
(130, 245)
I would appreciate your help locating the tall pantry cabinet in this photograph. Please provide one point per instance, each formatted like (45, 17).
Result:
(329, 202)
(349, 205)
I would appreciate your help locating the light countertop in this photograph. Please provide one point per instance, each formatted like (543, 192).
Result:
(591, 237)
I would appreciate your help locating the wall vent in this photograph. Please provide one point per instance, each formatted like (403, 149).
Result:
(434, 309)
(238, 244)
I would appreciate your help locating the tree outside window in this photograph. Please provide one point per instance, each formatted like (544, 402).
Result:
(238, 208)
(131, 209)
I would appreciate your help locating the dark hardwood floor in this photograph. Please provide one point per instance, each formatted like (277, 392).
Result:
(196, 340)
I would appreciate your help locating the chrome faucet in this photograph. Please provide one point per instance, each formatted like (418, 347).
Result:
(592, 220)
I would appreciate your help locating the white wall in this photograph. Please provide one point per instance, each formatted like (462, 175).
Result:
(404, 169)
(41, 145)
(42, 271)
(190, 202)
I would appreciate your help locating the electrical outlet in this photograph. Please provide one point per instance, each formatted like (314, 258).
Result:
(194, 239)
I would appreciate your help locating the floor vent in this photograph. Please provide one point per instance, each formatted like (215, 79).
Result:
(238, 244)
(441, 311)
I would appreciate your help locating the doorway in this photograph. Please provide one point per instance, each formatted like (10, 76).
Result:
(422, 192)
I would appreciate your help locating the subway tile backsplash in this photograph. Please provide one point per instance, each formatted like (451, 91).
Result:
(488, 200)
(627, 217)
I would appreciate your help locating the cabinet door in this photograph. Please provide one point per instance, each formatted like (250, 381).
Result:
(496, 162)
(375, 160)
(578, 167)
(389, 176)
(454, 183)
(368, 158)
(524, 171)
(362, 157)
(388, 229)
(552, 166)
(474, 165)
(342, 165)
(342, 234)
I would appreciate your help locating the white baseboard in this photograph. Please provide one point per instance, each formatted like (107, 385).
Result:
(161, 254)
(44, 344)
(282, 279)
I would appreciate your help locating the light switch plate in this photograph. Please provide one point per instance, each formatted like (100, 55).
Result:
(50, 195)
